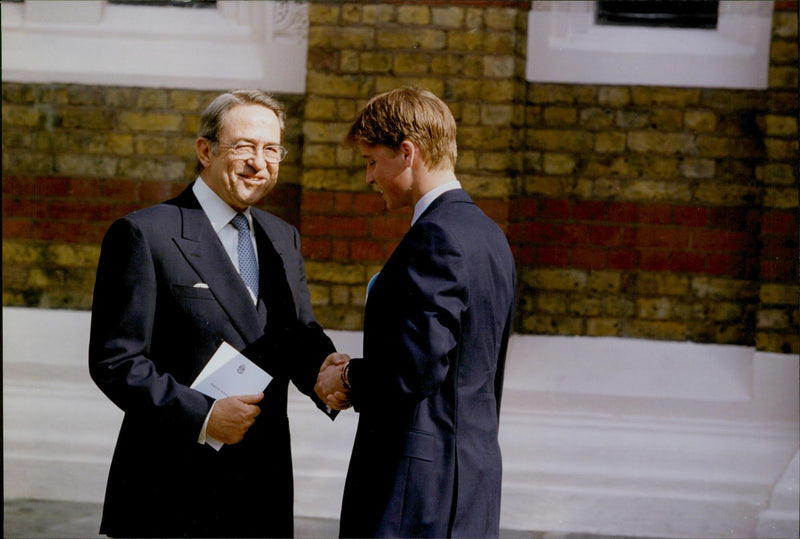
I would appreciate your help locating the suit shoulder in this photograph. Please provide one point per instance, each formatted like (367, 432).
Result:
(273, 222)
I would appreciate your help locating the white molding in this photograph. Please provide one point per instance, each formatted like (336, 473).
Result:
(240, 44)
(565, 45)
(604, 436)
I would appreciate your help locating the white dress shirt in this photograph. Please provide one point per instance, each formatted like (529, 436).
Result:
(426, 200)
(220, 215)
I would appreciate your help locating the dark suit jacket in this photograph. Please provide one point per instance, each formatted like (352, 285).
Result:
(426, 459)
(153, 331)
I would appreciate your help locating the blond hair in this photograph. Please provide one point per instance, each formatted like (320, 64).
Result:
(408, 114)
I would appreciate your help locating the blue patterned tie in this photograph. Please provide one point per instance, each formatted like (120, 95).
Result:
(248, 266)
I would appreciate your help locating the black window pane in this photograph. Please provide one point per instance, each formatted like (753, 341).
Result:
(674, 14)
(174, 3)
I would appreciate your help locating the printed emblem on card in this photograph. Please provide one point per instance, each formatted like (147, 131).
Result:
(240, 370)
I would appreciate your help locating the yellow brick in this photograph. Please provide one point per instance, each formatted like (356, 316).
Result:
(558, 163)
(372, 62)
(449, 17)
(770, 293)
(661, 143)
(662, 284)
(150, 121)
(405, 63)
(413, 14)
(609, 142)
(560, 116)
(700, 120)
(20, 116)
(613, 96)
(721, 194)
(783, 198)
(426, 39)
(486, 186)
(333, 272)
(497, 67)
(602, 327)
(320, 13)
(500, 18)
(555, 279)
(153, 98)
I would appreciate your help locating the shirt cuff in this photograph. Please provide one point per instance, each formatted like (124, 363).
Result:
(203, 438)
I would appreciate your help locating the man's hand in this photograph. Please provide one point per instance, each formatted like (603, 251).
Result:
(329, 387)
(232, 417)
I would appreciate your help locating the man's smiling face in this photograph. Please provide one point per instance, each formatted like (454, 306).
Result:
(241, 182)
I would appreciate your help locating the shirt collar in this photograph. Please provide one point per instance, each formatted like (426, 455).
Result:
(217, 211)
(426, 200)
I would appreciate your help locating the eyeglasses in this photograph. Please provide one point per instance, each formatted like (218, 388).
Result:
(245, 150)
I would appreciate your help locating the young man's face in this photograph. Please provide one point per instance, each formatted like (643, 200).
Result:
(388, 172)
(241, 181)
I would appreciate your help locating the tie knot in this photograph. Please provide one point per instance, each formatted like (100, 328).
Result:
(240, 222)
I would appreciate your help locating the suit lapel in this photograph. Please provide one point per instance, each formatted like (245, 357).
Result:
(201, 247)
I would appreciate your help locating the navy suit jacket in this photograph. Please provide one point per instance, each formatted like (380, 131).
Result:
(152, 332)
(426, 460)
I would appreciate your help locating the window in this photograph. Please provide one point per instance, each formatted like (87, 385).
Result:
(226, 45)
(663, 13)
(567, 43)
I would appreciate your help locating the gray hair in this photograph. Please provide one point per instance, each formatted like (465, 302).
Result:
(214, 115)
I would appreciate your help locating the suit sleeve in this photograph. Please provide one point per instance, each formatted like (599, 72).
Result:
(295, 351)
(123, 314)
(414, 338)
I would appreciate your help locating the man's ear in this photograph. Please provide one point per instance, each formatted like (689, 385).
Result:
(410, 151)
(204, 151)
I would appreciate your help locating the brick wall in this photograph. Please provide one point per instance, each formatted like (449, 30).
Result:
(77, 157)
(659, 213)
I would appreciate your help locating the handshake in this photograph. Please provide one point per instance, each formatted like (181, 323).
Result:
(333, 385)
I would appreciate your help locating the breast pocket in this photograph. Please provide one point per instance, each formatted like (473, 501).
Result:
(191, 292)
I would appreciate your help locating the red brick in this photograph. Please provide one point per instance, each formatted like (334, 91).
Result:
(655, 214)
(655, 261)
(366, 251)
(153, 192)
(523, 254)
(497, 210)
(673, 238)
(554, 209)
(19, 207)
(19, 185)
(316, 248)
(719, 264)
(608, 236)
(588, 258)
(689, 216)
(53, 187)
(728, 218)
(343, 202)
(541, 233)
(779, 222)
(316, 202)
(622, 212)
(340, 249)
(552, 256)
(587, 210)
(521, 208)
(389, 227)
(368, 203)
(333, 225)
(721, 240)
(623, 259)
(784, 271)
(17, 228)
(683, 262)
